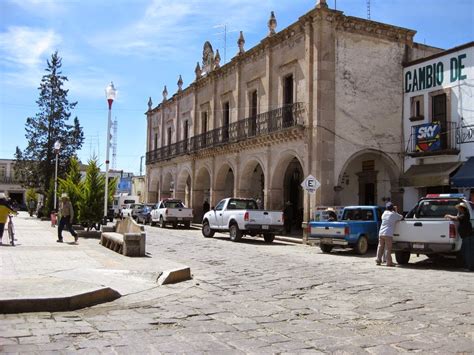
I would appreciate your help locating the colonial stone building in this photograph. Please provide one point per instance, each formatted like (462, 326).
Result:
(322, 97)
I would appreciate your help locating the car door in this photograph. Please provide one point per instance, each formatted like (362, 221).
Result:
(216, 215)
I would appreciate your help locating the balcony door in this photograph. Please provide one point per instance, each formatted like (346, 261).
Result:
(226, 122)
(204, 129)
(288, 101)
(253, 114)
(439, 114)
(186, 134)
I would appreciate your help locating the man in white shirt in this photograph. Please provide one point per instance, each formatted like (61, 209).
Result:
(389, 218)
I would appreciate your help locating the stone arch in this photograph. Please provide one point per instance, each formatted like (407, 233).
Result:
(153, 186)
(252, 181)
(184, 186)
(201, 191)
(167, 187)
(370, 177)
(286, 191)
(224, 185)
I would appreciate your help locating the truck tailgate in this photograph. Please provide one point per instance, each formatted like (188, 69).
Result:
(180, 212)
(329, 229)
(422, 231)
(266, 217)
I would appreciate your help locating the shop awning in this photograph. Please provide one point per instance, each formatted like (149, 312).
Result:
(428, 174)
(465, 175)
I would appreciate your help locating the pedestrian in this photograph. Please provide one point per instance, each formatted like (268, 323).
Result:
(205, 207)
(389, 218)
(465, 232)
(31, 207)
(332, 216)
(288, 217)
(5, 210)
(66, 213)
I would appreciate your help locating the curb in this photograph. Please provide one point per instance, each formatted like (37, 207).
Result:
(174, 276)
(59, 304)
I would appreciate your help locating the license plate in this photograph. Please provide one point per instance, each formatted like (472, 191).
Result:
(180, 219)
(418, 246)
(326, 241)
(265, 227)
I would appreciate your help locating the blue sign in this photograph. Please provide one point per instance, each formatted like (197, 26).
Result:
(125, 185)
(427, 137)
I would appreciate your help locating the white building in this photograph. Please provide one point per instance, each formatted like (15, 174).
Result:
(9, 184)
(438, 120)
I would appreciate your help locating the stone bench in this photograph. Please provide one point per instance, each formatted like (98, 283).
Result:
(126, 237)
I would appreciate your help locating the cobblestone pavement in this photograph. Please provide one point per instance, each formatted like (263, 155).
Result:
(251, 297)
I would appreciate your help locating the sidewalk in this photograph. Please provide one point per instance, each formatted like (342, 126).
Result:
(39, 274)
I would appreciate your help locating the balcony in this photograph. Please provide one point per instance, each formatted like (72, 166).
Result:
(248, 128)
(9, 180)
(433, 139)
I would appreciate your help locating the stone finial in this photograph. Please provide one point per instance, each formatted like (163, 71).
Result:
(165, 93)
(322, 4)
(207, 57)
(241, 42)
(198, 71)
(150, 104)
(217, 60)
(180, 83)
(272, 24)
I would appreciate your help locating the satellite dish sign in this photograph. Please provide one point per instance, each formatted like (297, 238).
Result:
(310, 184)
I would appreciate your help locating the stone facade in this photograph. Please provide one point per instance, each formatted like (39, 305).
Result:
(9, 184)
(321, 97)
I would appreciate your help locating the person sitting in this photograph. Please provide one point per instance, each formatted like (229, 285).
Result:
(332, 216)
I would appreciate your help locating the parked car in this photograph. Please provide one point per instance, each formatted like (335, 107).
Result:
(239, 217)
(171, 211)
(127, 209)
(425, 230)
(135, 208)
(144, 213)
(358, 228)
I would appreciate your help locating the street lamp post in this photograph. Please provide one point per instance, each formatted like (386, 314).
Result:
(57, 147)
(110, 93)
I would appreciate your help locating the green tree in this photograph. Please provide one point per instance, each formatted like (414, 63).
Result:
(72, 185)
(91, 205)
(36, 164)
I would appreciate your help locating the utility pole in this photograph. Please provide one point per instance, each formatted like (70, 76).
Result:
(141, 164)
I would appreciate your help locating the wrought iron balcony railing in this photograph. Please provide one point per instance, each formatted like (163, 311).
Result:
(435, 138)
(248, 128)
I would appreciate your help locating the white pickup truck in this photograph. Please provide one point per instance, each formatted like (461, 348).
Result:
(240, 216)
(425, 230)
(171, 211)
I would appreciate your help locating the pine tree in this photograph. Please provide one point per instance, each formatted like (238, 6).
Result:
(91, 206)
(36, 164)
(73, 186)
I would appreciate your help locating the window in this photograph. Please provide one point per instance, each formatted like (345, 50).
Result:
(169, 135)
(3, 172)
(288, 101)
(220, 206)
(253, 113)
(156, 141)
(186, 130)
(204, 128)
(416, 108)
(226, 121)
(439, 114)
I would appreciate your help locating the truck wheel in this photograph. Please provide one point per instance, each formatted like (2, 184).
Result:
(162, 222)
(268, 237)
(152, 223)
(362, 245)
(402, 257)
(325, 248)
(207, 232)
(235, 233)
(187, 225)
(175, 225)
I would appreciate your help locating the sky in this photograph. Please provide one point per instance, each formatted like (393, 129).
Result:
(142, 45)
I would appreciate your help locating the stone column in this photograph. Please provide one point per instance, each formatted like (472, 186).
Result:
(324, 99)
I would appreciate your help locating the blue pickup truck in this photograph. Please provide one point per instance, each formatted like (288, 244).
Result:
(358, 228)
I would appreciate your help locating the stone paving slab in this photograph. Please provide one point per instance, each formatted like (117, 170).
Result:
(71, 275)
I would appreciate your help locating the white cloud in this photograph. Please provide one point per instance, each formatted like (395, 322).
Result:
(166, 25)
(23, 51)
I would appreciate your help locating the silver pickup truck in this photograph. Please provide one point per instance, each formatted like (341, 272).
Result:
(241, 216)
(425, 230)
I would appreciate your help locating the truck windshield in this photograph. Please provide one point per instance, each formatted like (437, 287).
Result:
(436, 208)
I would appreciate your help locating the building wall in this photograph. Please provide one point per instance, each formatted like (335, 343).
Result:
(347, 74)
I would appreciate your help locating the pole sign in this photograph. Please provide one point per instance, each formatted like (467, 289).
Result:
(310, 184)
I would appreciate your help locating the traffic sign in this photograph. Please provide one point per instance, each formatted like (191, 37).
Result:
(310, 184)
